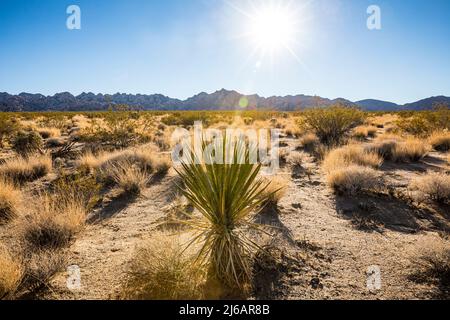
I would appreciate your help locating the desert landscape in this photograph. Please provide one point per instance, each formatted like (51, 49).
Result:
(99, 191)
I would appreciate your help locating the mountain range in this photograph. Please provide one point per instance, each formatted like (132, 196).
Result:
(219, 100)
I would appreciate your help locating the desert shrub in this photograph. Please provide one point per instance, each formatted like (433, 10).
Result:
(309, 142)
(410, 150)
(331, 124)
(46, 133)
(384, 148)
(127, 176)
(432, 264)
(8, 127)
(424, 123)
(162, 270)
(83, 187)
(351, 155)
(53, 222)
(296, 159)
(416, 125)
(354, 179)
(10, 199)
(26, 143)
(22, 170)
(226, 195)
(434, 186)
(440, 141)
(10, 274)
(39, 267)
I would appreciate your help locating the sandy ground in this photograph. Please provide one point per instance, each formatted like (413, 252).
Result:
(323, 249)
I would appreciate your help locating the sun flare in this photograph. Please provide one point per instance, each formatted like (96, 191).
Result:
(272, 28)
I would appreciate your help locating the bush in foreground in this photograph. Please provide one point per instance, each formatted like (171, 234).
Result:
(434, 186)
(10, 199)
(351, 155)
(53, 222)
(354, 180)
(440, 141)
(21, 170)
(227, 196)
(10, 273)
(162, 270)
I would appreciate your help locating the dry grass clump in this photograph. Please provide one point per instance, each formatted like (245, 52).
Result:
(22, 170)
(144, 157)
(128, 176)
(10, 273)
(440, 141)
(49, 132)
(434, 186)
(39, 268)
(432, 264)
(10, 200)
(53, 222)
(309, 142)
(163, 270)
(274, 190)
(362, 132)
(385, 148)
(410, 150)
(296, 159)
(354, 180)
(351, 155)
(26, 143)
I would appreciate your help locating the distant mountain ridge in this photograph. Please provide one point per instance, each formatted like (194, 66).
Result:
(219, 100)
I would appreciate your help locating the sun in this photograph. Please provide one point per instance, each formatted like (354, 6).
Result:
(272, 28)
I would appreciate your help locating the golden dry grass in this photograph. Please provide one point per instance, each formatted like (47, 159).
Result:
(10, 201)
(10, 273)
(354, 179)
(162, 270)
(309, 142)
(434, 186)
(363, 132)
(22, 170)
(431, 263)
(128, 176)
(144, 156)
(52, 221)
(440, 141)
(351, 155)
(410, 150)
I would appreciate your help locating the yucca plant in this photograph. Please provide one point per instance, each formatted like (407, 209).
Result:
(226, 190)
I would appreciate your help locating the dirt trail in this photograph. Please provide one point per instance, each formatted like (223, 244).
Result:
(314, 224)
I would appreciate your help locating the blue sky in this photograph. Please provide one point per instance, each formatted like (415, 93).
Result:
(182, 47)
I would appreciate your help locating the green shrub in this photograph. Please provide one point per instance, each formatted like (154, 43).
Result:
(331, 124)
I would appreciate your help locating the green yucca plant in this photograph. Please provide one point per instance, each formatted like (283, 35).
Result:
(226, 192)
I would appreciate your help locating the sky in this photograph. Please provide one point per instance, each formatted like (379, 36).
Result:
(182, 47)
